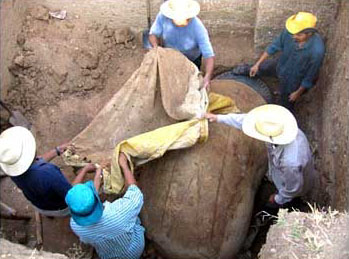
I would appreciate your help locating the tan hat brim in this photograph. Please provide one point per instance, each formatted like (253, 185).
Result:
(193, 11)
(27, 155)
(282, 115)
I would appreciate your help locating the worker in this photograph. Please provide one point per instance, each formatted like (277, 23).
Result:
(41, 182)
(113, 229)
(178, 27)
(289, 156)
(298, 66)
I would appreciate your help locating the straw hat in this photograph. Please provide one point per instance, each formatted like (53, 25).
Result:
(17, 150)
(271, 123)
(300, 21)
(84, 204)
(180, 10)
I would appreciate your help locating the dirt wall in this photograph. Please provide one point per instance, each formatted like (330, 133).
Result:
(230, 24)
(11, 16)
(325, 113)
(272, 14)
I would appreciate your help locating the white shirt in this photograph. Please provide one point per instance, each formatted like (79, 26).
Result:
(291, 166)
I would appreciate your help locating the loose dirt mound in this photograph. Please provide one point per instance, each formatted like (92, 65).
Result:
(61, 58)
(12, 250)
(64, 72)
(308, 235)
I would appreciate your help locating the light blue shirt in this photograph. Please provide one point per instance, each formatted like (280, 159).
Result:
(192, 40)
(118, 234)
(291, 166)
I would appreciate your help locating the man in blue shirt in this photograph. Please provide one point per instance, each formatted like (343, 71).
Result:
(41, 182)
(180, 29)
(298, 66)
(113, 229)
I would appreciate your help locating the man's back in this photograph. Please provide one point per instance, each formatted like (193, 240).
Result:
(44, 185)
(118, 234)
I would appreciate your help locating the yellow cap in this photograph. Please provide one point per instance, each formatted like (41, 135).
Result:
(300, 21)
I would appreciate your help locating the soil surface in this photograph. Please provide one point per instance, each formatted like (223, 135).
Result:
(319, 234)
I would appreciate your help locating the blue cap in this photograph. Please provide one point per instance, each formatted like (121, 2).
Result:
(85, 206)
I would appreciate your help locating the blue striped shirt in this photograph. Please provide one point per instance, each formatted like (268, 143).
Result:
(119, 233)
(192, 40)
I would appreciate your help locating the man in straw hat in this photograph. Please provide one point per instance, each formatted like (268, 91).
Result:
(42, 183)
(298, 66)
(289, 156)
(180, 29)
(113, 229)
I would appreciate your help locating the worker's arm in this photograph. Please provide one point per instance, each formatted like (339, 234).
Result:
(156, 30)
(276, 46)
(129, 178)
(98, 178)
(82, 172)
(233, 119)
(209, 65)
(254, 69)
(132, 201)
(153, 40)
(57, 151)
(311, 74)
(206, 49)
(296, 94)
(291, 185)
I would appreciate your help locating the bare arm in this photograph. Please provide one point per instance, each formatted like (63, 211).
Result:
(255, 67)
(98, 179)
(296, 94)
(81, 174)
(209, 65)
(57, 151)
(129, 178)
(153, 40)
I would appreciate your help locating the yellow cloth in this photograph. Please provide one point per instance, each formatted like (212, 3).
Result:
(151, 145)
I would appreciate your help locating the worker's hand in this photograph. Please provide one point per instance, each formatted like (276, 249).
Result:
(105, 163)
(294, 96)
(90, 168)
(123, 162)
(63, 147)
(207, 83)
(253, 70)
(211, 117)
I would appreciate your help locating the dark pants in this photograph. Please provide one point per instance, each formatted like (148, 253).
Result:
(268, 68)
(197, 62)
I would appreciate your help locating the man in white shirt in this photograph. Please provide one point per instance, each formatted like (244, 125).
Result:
(289, 156)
